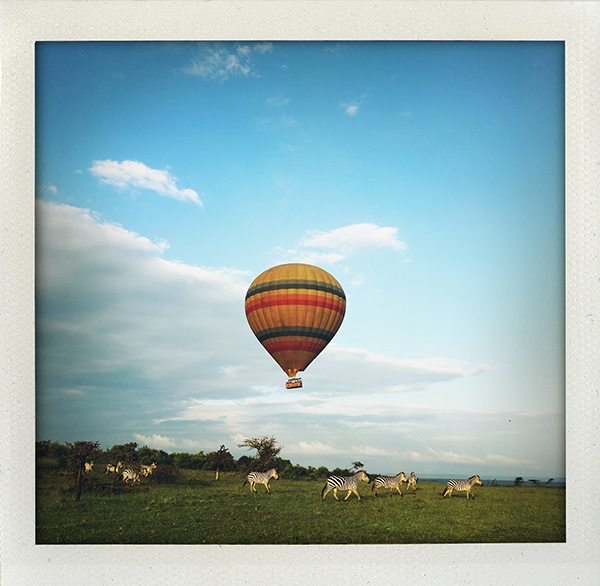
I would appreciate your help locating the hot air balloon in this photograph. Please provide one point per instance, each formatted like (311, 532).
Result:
(295, 310)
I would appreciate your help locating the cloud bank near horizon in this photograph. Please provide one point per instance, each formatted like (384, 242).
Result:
(160, 352)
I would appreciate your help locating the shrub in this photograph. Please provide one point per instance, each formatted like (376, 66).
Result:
(165, 474)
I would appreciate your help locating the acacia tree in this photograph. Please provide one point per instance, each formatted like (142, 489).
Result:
(221, 459)
(357, 465)
(266, 450)
(80, 452)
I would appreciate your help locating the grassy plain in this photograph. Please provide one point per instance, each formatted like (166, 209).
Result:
(196, 509)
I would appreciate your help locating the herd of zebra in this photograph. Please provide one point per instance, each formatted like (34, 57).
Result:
(334, 483)
(133, 474)
(350, 483)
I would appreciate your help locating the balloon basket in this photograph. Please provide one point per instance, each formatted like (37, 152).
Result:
(294, 383)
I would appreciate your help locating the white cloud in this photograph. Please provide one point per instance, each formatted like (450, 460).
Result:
(134, 174)
(133, 309)
(470, 458)
(288, 121)
(452, 457)
(350, 239)
(340, 243)
(190, 445)
(217, 64)
(74, 392)
(155, 441)
(238, 438)
(313, 447)
(168, 444)
(352, 108)
(503, 460)
(275, 123)
(307, 256)
(433, 365)
(369, 451)
(216, 61)
(266, 47)
(278, 101)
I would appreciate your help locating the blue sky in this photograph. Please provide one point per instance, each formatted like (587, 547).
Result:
(427, 177)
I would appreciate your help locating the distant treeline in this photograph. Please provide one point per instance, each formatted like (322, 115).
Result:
(130, 454)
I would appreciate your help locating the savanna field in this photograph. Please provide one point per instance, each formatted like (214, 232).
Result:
(194, 508)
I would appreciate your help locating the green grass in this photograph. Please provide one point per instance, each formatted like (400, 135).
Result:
(197, 509)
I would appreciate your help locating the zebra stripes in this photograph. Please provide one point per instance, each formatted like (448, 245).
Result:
(134, 474)
(147, 470)
(255, 478)
(391, 482)
(113, 468)
(129, 474)
(349, 483)
(462, 486)
(412, 481)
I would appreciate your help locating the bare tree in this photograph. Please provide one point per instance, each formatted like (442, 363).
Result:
(80, 452)
(221, 459)
(266, 449)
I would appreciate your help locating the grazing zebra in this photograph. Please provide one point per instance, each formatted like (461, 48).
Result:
(391, 482)
(261, 478)
(112, 468)
(129, 474)
(348, 483)
(148, 470)
(412, 481)
(462, 486)
(89, 466)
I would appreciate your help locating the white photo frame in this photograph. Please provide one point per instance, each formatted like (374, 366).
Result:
(24, 23)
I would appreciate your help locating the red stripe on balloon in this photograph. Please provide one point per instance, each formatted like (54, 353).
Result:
(301, 344)
(334, 304)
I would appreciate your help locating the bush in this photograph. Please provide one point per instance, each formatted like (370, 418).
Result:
(165, 474)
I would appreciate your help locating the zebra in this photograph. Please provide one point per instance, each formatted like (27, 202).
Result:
(462, 486)
(349, 483)
(89, 466)
(129, 474)
(148, 470)
(112, 468)
(391, 482)
(412, 481)
(261, 478)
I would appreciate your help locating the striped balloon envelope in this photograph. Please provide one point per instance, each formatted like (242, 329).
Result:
(295, 310)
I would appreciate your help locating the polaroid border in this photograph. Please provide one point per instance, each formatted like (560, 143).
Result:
(24, 23)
